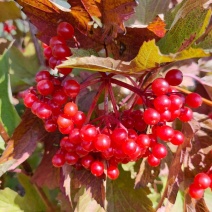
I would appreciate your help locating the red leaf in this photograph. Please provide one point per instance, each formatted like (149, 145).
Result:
(23, 142)
(92, 184)
(46, 174)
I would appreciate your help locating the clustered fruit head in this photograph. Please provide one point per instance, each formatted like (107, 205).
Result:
(100, 149)
(201, 182)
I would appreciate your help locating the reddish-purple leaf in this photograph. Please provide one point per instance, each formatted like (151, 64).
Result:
(93, 185)
(46, 174)
(23, 142)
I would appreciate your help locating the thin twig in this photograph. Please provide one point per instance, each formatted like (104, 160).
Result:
(37, 46)
(4, 134)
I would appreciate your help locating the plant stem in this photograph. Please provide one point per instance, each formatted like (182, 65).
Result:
(204, 100)
(3, 133)
(129, 87)
(95, 100)
(113, 100)
(37, 46)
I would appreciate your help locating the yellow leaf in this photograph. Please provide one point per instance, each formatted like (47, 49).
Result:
(149, 57)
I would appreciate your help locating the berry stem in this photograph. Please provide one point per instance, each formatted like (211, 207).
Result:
(89, 83)
(129, 87)
(204, 100)
(93, 104)
(113, 100)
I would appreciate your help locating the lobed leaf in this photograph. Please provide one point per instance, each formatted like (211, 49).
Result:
(121, 196)
(190, 22)
(22, 143)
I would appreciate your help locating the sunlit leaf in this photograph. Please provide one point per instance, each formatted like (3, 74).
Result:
(149, 57)
(188, 25)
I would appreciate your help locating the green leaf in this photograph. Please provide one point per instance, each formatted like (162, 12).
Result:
(32, 200)
(121, 196)
(10, 201)
(188, 25)
(9, 11)
(8, 115)
(23, 65)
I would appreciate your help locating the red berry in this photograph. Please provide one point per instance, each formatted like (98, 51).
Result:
(186, 114)
(58, 160)
(79, 118)
(165, 132)
(112, 172)
(47, 52)
(29, 99)
(45, 87)
(176, 102)
(42, 75)
(65, 30)
(129, 147)
(97, 168)
(59, 97)
(61, 51)
(88, 132)
(162, 103)
(56, 40)
(160, 86)
(102, 142)
(86, 161)
(193, 100)
(202, 181)
(52, 62)
(50, 125)
(174, 77)
(159, 151)
(143, 141)
(71, 158)
(151, 116)
(153, 161)
(44, 111)
(178, 138)
(119, 135)
(64, 121)
(195, 192)
(71, 88)
(74, 136)
(70, 109)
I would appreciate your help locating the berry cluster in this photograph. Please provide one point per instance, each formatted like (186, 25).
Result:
(201, 182)
(57, 51)
(118, 136)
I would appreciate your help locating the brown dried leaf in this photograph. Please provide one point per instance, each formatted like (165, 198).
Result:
(46, 174)
(23, 142)
(93, 185)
